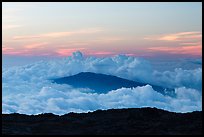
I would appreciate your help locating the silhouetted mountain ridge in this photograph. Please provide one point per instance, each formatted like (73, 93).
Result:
(132, 121)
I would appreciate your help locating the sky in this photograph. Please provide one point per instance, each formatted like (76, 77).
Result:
(161, 45)
(102, 29)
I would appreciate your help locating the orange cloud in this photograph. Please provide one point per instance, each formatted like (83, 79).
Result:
(191, 50)
(100, 53)
(60, 34)
(190, 43)
(181, 36)
(130, 54)
(24, 50)
(103, 53)
(187, 43)
(36, 45)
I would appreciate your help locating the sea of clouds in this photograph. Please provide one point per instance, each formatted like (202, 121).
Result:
(27, 89)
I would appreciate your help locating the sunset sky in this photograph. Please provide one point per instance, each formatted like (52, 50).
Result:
(102, 29)
(153, 44)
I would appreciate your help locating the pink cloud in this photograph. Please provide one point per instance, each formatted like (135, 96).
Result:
(5, 49)
(36, 45)
(12, 51)
(23, 50)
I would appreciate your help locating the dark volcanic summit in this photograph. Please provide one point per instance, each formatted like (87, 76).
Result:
(102, 83)
(132, 121)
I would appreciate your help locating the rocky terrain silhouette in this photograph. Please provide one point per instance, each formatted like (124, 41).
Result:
(131, 121)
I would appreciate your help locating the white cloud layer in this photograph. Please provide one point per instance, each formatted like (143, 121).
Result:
(27, 89)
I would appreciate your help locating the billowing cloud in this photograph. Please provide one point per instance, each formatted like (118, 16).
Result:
(27, 89)
(50, 99)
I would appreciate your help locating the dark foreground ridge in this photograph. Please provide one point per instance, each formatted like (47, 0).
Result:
(137, 121)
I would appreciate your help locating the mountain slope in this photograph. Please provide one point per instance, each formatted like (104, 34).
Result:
(102, 83)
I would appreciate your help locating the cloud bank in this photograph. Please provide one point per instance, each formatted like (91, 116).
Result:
(27, 89)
